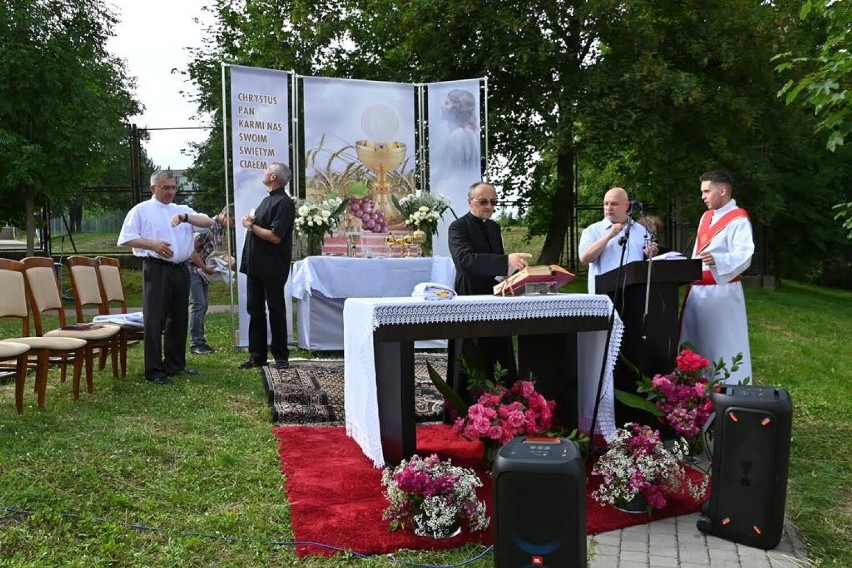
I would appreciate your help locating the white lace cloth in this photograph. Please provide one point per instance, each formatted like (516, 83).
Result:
(343, 277)
(363, 315)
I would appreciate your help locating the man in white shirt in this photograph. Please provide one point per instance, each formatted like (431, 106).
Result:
(161, 232)
(714, 315)
(601, 243)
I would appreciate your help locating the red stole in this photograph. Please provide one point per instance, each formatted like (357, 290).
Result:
(706, 232)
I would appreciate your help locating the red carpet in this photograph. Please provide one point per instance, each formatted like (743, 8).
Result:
(336, 496)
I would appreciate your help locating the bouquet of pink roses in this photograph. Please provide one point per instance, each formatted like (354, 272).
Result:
(502, 414)
(684, 394)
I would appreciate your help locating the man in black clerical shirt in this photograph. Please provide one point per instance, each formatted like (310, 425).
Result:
(266, 263)
(477, 250)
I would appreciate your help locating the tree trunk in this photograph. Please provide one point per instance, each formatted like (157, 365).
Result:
(29, 208)
(562, 218)
(75, 218)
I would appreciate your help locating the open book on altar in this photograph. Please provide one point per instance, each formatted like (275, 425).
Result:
(540, 273)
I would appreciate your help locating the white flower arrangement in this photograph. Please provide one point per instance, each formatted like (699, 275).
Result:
(314, 219)
(423, 210)
(638, 465)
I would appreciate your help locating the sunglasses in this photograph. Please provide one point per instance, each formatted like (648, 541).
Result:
(485, 202)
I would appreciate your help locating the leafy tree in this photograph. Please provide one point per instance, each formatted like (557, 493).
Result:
(644, 94)
(826, 85)
(64, 102)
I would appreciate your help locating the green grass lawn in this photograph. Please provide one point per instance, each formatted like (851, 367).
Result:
(197, 461)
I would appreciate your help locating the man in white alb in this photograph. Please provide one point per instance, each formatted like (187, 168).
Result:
(600, 245)
(714, 313)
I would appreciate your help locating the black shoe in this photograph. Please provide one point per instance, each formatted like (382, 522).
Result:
(202, 350)
(251, 364)
(185, 372)
(158, 379)
(281, 365)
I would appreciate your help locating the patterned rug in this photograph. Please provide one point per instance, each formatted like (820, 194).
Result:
(311, 392)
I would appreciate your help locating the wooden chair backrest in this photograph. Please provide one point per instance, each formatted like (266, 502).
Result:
(112, 288)
(13, 300)
(85, 284)
(43, 291)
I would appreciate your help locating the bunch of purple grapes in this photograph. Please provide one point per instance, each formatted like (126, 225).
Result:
(372, 218)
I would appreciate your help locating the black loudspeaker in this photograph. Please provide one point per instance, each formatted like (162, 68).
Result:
(539, 504)
(751, 458)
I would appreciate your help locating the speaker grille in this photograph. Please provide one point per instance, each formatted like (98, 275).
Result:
(747, 465)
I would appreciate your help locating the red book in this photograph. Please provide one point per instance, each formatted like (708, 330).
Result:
(514, 284)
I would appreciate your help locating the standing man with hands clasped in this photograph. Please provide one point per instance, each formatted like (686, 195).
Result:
(601, 243)
(714, 314)
(265, 261)
(477, 250)
(161, 232)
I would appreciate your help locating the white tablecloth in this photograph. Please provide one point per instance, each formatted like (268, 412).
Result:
(322, 284)
(363, 315)
(343, 277)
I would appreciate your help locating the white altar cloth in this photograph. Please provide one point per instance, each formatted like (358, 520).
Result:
(322, 284)
(363, 315)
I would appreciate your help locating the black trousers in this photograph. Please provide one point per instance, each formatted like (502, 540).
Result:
(260, 296)
(165, 306)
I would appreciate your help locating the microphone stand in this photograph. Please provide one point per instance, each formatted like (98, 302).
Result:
(622, 241)
(651, 238)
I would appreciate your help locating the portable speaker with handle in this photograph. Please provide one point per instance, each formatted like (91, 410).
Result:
(751, 458)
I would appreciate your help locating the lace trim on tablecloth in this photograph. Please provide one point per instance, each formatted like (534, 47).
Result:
(494, 310)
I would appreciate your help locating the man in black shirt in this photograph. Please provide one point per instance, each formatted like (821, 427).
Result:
(477, 250)
(266, 263)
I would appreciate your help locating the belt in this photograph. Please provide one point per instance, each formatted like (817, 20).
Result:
(168, 263)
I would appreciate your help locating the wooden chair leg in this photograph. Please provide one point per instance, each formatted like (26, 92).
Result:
(123, 351)
(20, 379)
(102, 355)
(79, 356)
(114, 348)
(41, 378)
(90, 363)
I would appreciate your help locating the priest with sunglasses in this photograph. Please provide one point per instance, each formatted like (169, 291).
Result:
(477, 250)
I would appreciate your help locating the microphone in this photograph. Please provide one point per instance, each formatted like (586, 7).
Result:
(636, 205)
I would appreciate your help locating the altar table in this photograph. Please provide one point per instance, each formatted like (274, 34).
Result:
(561, 339)
(323, 283)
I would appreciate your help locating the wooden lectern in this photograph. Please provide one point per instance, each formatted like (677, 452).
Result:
(650, 340)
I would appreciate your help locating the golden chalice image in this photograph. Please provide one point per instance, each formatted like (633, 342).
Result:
(381, 155)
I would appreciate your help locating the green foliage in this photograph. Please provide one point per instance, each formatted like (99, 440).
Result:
(64, 102)
(451, 396)
(825, 87)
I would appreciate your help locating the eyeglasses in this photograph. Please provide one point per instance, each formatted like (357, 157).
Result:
(168, 187)
(485, 202)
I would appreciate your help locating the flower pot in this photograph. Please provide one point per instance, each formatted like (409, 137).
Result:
(636, 506)
(489, 454)
(449, 532)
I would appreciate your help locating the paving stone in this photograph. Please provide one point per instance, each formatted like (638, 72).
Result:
(676, 542)
(629, 556)
(663, 561)
(723, 557)
(631, 564)
(611, 537)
